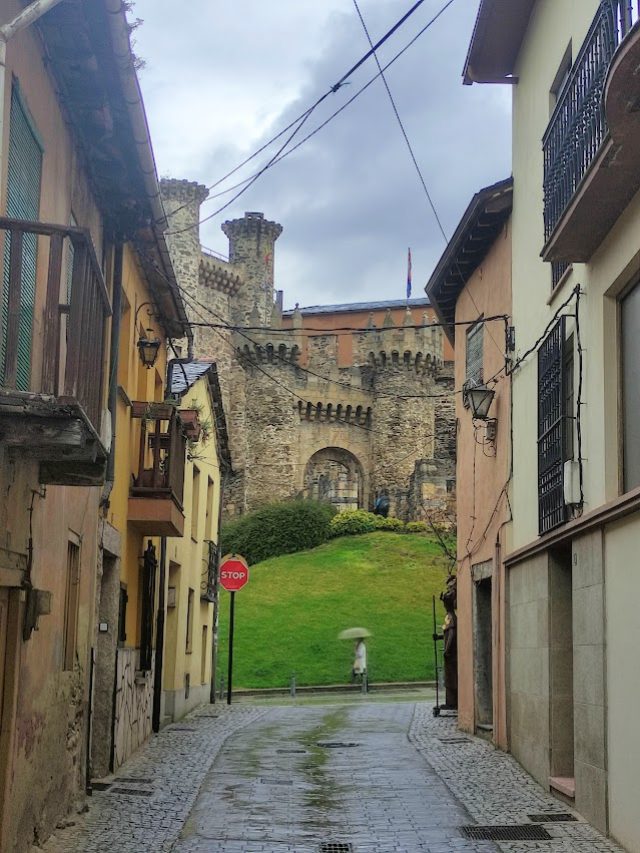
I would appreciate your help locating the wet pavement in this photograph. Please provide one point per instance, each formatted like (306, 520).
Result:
(365, 776)
(344, 777)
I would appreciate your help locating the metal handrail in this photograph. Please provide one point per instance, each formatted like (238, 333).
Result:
(578, 127)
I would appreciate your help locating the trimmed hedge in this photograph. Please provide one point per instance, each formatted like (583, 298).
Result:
(416, 526)
(394, 524)
(351, 522)
(278, 528)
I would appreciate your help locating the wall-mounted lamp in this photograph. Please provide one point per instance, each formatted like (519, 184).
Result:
(480, 399)
(148, 344)
(148, 348)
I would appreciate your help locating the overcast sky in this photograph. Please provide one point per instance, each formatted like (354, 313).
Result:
(224, 76)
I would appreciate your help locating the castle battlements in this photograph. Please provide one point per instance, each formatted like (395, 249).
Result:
(252, 226)
(185, 192)
(360, 415)
(218, 274)
(269, 353)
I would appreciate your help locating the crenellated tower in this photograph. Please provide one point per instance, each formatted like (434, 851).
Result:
(251, 253)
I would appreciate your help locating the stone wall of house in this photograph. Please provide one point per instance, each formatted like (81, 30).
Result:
(386, 422)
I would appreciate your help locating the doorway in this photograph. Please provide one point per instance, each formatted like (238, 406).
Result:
(561, 670)
(483, 654)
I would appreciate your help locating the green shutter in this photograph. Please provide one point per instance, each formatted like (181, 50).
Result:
(23, 202)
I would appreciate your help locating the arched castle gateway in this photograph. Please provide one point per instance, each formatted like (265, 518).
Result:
(311, 410)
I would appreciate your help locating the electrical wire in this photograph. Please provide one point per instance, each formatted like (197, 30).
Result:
(300, 120)
(401, 125)
(217, 326)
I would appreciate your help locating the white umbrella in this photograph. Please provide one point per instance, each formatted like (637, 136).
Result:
(354, 634)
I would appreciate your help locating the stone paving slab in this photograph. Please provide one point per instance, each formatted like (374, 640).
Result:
(496, 790)
(150, 816)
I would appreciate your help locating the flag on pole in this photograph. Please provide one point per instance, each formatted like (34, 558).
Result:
(409, 275)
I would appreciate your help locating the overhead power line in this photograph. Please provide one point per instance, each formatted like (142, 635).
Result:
(297, 123)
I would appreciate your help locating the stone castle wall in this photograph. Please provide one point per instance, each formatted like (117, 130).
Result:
(386, 422)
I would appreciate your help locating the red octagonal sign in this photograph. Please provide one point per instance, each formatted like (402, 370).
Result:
(234, 572)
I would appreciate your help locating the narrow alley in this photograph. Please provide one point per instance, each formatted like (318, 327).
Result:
(367, 777)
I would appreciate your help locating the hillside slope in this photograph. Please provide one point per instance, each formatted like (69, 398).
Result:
(288, 616)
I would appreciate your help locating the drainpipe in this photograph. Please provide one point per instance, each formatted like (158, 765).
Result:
(157, 676)
(20, 22)
(113, 357)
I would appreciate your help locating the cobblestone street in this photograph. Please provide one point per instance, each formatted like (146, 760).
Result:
(365, 777)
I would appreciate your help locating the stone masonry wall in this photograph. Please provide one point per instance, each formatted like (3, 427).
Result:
(385, 413)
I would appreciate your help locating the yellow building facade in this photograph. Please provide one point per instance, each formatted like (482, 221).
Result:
(192, 560)
(145, 506)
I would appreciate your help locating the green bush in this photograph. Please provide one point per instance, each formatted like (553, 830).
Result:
(278, 528)
(351, 522)
(416, 527)
(394, 524)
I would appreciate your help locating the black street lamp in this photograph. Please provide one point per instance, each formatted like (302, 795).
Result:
(480, 399)
(148, 348)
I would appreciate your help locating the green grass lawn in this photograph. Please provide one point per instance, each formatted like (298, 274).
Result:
(288, 616)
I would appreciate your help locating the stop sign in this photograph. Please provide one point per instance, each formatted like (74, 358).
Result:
(234, 572)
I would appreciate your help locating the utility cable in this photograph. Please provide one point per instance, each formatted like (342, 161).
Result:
(301, 119)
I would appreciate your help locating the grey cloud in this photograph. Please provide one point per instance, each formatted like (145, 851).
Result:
(349, 199)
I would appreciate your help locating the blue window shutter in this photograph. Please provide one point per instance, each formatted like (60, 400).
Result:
(23, 202)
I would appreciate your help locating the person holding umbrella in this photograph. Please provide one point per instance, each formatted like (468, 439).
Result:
(359, 668)
(360, 660)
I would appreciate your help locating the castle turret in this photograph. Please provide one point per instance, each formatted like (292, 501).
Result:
(251, 251)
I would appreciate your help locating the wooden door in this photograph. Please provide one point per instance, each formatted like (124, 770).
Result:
(4, 613)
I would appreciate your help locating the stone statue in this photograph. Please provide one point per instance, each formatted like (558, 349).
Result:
(450, 636)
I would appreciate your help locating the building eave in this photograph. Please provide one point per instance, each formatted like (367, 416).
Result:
(497, 36)
(481, 223)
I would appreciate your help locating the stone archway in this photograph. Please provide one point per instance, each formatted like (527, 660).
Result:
(335, 475)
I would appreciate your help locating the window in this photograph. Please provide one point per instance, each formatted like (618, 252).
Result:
(555, 424)
(203, 655)
(630, 350)
(71, 602)
(568, 392)
(195, 502)
(24, 172)
(147, 600)
(189, 644)
(474, 358)
(208, 527)
(561, 79)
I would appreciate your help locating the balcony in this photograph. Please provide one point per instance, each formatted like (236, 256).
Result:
(591, 169)
(155, 498)
(52, 381)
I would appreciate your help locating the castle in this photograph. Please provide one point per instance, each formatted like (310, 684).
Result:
(342, 403)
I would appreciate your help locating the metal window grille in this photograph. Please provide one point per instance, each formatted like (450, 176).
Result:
(474, 359)
(551, 430)
(24, 172)
(558, 269)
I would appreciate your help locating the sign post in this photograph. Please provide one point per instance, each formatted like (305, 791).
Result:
(234, 574)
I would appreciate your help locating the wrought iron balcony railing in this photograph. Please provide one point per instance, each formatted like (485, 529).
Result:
(578, 125)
